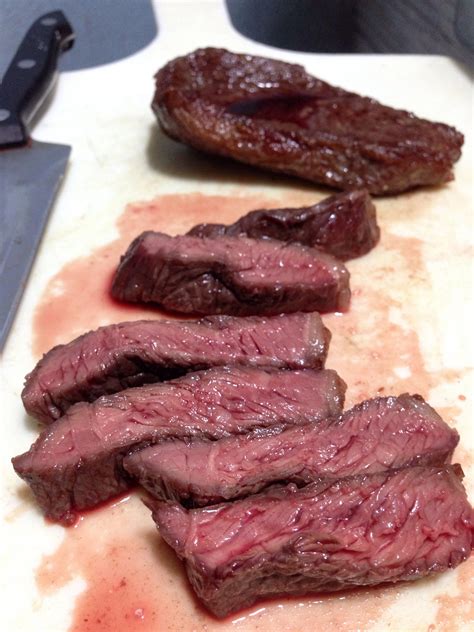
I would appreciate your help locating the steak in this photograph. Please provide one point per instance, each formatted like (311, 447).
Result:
(274, 115)
(119, 356)
(230, 275)
(361, 531)
(344, 225)
(76, 462)
(377, 435)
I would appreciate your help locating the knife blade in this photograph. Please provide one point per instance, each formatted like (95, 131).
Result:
(30, 171)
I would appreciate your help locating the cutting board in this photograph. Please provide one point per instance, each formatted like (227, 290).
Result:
(409, 328)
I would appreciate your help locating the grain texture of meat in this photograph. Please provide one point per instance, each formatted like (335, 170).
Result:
(230, 275)
(129, 354)
(344, 225)
(361, 531)
(76, 462)
(377, 435)
(274, 115)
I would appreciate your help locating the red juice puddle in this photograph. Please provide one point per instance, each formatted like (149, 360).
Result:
(79, 516)
(120, 593)
(133, 580)
(77, 298)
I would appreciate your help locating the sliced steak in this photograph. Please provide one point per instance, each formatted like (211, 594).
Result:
(344, 225)
(274, 115)
(360, 531)
(377, 435)
(131, 354)
(76, 462)
(230, 275)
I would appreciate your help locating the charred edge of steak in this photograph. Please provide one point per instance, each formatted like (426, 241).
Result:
(344, 225)
(274, 115)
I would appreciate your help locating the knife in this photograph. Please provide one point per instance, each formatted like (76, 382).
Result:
(30, 171)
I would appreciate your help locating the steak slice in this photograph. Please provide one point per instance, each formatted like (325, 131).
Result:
(377, 435)
(274, 115)
(230, 275)
(76, 462)
(344, 225)
(131, 354)
(360, 531)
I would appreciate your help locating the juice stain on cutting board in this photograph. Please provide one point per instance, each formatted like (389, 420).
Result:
(77, 299)
(374, 346)
(133, 579)
(455, 611)
(135, 582)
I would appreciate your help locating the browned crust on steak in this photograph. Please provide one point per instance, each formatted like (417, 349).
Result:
(274, 115)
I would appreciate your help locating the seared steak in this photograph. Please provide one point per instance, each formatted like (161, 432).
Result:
(360, 531)
(345, 225)
(230, 275)
(130, 354)
(377, 435)
(274, 115)
(77, 462)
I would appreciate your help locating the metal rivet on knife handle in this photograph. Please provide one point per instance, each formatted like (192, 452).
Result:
(30, 75)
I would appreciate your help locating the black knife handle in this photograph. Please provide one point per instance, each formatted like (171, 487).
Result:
(30, 75)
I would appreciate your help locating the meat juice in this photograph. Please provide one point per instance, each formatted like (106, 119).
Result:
(453, 611)
(62, 314)
(133, 580)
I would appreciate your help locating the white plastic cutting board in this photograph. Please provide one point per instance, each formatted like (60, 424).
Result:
(118, 157)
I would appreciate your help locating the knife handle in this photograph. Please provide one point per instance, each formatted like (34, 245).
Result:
(30, 75)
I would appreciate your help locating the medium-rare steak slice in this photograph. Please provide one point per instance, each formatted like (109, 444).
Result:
(274, 115)
(76, 462)
(345, 225)
(230, 275)
(360, 531)
(377, 435)
(131, 354)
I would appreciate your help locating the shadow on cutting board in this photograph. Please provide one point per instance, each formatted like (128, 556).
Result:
(179, 161)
